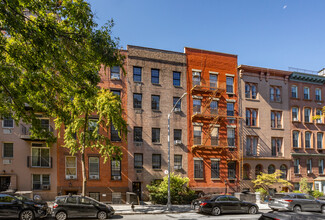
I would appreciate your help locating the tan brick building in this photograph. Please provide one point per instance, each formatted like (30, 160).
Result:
(155, 80)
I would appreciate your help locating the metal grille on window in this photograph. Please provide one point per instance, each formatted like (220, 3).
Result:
(231, 170)
(138, 161)
(8, 149)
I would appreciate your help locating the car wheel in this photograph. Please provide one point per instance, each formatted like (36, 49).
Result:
(216, 211)
(102, 215)
(252, 210)
(323, 209)
(26, 215)
(61, 215)
(297, 208)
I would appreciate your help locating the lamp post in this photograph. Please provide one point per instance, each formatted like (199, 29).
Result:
(169, 204)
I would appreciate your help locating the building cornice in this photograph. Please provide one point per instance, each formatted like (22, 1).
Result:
(305, 77)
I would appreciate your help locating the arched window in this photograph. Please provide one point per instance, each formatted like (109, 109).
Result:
(271, 169)
(284, 171)
(247, 170)
(258, 170)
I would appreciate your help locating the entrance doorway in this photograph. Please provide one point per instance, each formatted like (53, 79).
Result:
(136, 188)
(4, 183)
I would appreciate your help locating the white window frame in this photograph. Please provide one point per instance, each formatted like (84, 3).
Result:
(96, 175)
(41, 148)
(295, 119)
(296, 91)
(297, 132)
(76, 167)
(3, 123)
(308, 92)
(320, 94)
(320, 120)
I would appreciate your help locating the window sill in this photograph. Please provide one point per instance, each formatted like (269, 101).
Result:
(307, 100)
(117, 180)
(116, 79)
(281, 129)
(198, 178)
(178, 87)
(138, 82)
(254, 127)
(297, 174)
(320, 123)
(309, 148)
(215, 179)
(119, 141)
(156, 84)
(156, 143)
(156, 110)
(230, 93)
(308, 122)
(280, 102)
(296, 121)
(318, 100)
(156, 169)
(88, 179)
(253, 100)
(294, 98)
(8, 127)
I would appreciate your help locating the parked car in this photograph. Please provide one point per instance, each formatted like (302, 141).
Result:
(18, 206)
(291, 216)
(195, 204)
(76, 206)
(220, 204)
(296, 202)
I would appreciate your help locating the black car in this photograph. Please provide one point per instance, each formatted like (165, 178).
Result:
(217, 205)
(18, 206)
(195, 204)
(76, 206)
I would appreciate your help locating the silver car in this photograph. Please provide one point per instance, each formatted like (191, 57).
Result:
(296, 202)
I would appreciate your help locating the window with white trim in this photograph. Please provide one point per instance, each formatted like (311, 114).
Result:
(196, 106)
(70, 167)
(319, 114)
(295, 139)
(296, 166)
(306, 93)
(8, 122)
(196, 78)
(177, 162)
(213, 81)
(307, 115)
(116, 170)
(295, 114)
(230, 84)
(231, 137)
(197, 135)
(294, 91)
(318, 94)
(94, 168)
(215, 136)
(321, 166)
(309, 165)
(307, 139)
(250, 90)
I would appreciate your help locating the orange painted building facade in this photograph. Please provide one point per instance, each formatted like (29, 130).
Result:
(108, 184)
(213, 122)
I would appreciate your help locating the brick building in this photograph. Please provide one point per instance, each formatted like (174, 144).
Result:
(213, 143)
(307, 135)
(105, 181)
(156, 79)
(264, 132)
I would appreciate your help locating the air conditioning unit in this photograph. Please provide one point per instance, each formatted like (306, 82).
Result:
(177, 167)
(93, 177)
(177, 110)
(196, 74)
(177, 142)
(70, 177)
(7, 131)
(46, 187)
(308, 171)
(115, 77)
(6, 161)
(138, 144)
(116, 177)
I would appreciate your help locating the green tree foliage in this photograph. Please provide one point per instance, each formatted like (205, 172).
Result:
(317, 194)
(179, 190)
(303, 183)
(265, 180)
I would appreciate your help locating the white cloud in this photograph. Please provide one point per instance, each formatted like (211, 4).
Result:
(284, 7)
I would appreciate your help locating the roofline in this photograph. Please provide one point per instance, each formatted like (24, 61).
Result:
(154, 49)
(263, 69)
(210, 51)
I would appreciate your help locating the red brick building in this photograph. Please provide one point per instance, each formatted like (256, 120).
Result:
(212, 118)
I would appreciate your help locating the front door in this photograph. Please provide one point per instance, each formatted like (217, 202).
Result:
(4, 183)
(136, 188)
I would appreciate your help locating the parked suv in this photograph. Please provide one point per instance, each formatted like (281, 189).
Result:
(296, 202)
(18, 206)
(76, 206)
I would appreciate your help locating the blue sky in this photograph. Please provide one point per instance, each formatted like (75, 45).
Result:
(268, 33)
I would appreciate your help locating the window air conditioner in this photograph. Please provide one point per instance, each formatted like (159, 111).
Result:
(196, 74)
(93, 177)
(115, 77)
(70, 177)
(308, 171)
(177, 167)
(116, 177)
(6, 161)
(177, 142)
(177, 110)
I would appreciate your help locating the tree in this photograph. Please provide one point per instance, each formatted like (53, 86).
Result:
(265, 180)
(303, 183)
(180, 192)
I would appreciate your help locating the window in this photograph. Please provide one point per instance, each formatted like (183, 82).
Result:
(196, 78)
(71, 167)
(251, 145)
(306, 93)
(232, 170)
(295, 139)
(177, 134)
(214, 107)
(213, 81)
(215, 136)
(156, 161)
(319, 140)
(276, 119)
(115, 72)
(230, 84)
(8, 122)
(154, 76)
(284, 171)
(155, 135)
(93, 168)
(116, 170)
(8, 150)
(296, 186)
(215, 168)
(246, 173)
(319, 114)
(258, 170)
(177, 162)
(231, 137)
(197, 135)
(321, 166)
(272, 94)
(251, 117)
(114, 134)
(93, 125)
(230, 109)
(94, 195)
(137, 100)
(40, 157)
(116, 92)
(198, 168)
(307, 139)
(137, 74)
(138, 161)
(176, 78)
(307, 115)
(196, 106)
(137, 134)
(309, 166)
(318, 94)
(179, 103)
(41, 181)
(271, 169)
(295, 114)
(276, 147)
(294, 92)
(155, 99)
(251, 90)
(296, 166)
(275, 94)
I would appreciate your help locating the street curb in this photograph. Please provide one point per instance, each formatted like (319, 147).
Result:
(152, 213)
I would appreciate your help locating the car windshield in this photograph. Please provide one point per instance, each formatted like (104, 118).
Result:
(22, 198)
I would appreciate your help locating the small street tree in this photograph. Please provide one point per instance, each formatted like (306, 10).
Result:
(265, 180)
(303, 183)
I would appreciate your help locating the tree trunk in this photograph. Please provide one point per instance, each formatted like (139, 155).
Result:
(83, 163)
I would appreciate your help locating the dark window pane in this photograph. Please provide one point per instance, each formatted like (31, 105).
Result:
(198, 168)
(156, 161)
(177, 134)
(138, 161)
(137, 74)
(175, 99)
(138, 134)
(115, 169)
(176, 78)
(215, 169)
(155, 76)
(114, 134)
(155, 99)
(156, 135)
(137, 100)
